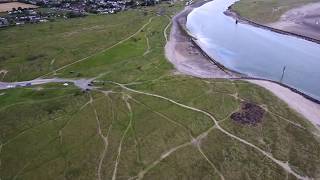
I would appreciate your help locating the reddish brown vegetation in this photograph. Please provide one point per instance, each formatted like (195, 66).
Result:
(249, 113)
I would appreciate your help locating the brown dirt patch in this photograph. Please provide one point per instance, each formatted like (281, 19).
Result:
(249, 114)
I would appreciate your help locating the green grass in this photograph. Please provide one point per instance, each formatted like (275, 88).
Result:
(56, 132)
(33, 50)
(266, 11)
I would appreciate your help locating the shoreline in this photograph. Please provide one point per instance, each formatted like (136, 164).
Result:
(239, 75)
(185, 55)
(302, 103)
(235, 15)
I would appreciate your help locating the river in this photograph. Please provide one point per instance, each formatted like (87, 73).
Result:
(255, 51)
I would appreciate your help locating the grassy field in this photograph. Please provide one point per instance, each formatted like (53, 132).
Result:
(34, 50)
(266, 11)
(144, 121)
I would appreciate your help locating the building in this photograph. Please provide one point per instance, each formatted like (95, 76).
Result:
(3, 22)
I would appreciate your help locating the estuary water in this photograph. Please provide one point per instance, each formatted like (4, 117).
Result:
(255, 51)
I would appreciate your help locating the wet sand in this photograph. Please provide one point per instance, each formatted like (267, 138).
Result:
(304, 20)
(185, 55)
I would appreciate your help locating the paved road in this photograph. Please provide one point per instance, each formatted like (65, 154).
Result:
(81, 83)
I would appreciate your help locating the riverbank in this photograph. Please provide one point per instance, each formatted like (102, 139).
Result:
(302, 20)
(181, 45)
(275, 28)
(185, 55)
(309, 109)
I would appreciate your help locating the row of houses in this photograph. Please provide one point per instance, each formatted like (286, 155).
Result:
(21, 16)
(68, 9)
(101, 6)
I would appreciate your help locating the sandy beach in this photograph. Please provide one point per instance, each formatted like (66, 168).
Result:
(188, 59)
(310, 110)
(303, 20)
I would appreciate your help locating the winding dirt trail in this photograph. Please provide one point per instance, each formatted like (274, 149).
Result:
(166, 29)
(284, 165)
(189, 60)
(211, 163)
(193, 141)
(164, 117)
(102, 51)
(310, 110)
(104, 138)
(162, 157)
(236, 96)
(125, 98)
(148, 45)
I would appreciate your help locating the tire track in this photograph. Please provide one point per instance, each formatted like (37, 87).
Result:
(284, 165)
(211, 163)
(104, 138)
(125, 99)
(166, 29)
(102, 51)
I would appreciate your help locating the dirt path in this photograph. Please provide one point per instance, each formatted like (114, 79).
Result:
(102, 51)
(236, 96)
(166, 29)
(125, 98)
(104, 138)
(162, 157)
(164, 117)
(211, 163)
(305, 107)
(283, 165)
(148, 44)
(193, 141)
(4, 73)
(178, 51)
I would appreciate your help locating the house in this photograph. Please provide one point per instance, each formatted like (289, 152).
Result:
(3, 22)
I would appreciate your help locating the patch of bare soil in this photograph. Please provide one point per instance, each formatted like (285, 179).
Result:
(249, 114)
(310, 110)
